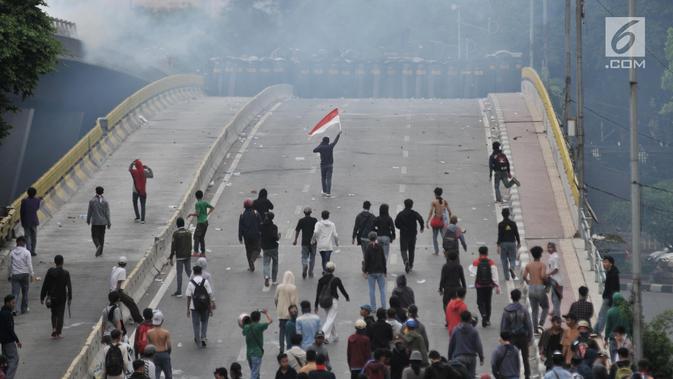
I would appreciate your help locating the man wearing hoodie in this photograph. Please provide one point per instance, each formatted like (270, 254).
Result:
(454, 309)
(414, 340)
(325, 238)
(181, 249)
(451, 280)
(516, 321)
(452, 236)
(269, 242)
(375, 270)
(326, 151)
(404, 292)
(610, 287)
(358, 351)
(249, 233)
(376, 368)
(465, 344)
(617, 316)
(140, 173)
(364, 223)
(406, 222)
(380, 332)
(262, 204)
(29, 218)
(285, 297)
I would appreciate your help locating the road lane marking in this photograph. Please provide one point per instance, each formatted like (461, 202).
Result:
(297, 210)
(403, 188)
(306, 188)
(405, 153)
(403, 170)
(406, 138)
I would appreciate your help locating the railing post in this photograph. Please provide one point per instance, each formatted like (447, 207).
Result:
(103, 123)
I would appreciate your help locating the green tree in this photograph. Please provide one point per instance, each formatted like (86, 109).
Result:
(658, 347)
(28, 50)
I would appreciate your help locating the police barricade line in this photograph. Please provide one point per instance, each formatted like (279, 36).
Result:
(144, 271)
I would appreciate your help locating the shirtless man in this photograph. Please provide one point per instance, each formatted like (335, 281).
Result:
(437, 220)
(161, 339)
(534, 275)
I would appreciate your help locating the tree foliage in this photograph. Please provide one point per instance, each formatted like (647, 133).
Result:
(658, 347)
(28, 50)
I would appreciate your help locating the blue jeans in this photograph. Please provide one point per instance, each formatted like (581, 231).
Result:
(162, 362)
(271, 264)
(255, 363)
(600, 320)
(308, 257)
(326, 178)
(30, 232)
(507, 257)
(537, 296)
(200, 325)
(373, 280)
(384, 241)
(142, 199)
(11, 352)
(180, 265)
(21, 283)
(325, 256)
(435, 233)
(501, 176)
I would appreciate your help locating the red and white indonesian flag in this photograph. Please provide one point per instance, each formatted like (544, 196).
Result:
(328, 121)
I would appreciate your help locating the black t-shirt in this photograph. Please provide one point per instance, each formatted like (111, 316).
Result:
(306, 225)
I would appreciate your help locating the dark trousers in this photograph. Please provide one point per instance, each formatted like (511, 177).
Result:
(325, 257)
(355, 374)
(143, 200)
(484, 295)
(98, 237)
(200, 237)
(252, 250)
(521, 342)
(57, 316)
(11, 352)
(326, 178)
(281, 333)
(30, 232)
(448, 294)
(182, 265)
(132, 307)
(408, 249)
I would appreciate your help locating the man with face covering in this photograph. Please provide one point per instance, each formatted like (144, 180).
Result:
(326, 151)
(140, 173)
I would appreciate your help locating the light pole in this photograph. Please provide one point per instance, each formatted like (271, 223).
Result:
(455, 7)
(579, 123)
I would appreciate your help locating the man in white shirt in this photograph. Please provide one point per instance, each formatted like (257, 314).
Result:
(199, 305)
(117, 278)
(21, 272)
(116, 336)
(326, 238)
(554, 274)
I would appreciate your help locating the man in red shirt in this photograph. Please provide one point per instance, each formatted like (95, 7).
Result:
(486, 278)
(453, 310)
(359, 349)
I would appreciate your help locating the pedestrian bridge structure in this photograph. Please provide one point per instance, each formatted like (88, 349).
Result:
(391, 149)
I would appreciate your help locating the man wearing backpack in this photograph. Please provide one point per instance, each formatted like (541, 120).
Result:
(505, 359)
(452, 236)
(508, 243)
(364, 222)
(116, 357)
(499, 164)
(486, 278)
(199, 305)
(327, 298)
(623, 368)
(465, 345)
(516, 321)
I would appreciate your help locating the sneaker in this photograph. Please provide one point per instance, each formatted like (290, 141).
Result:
(177, 294)
(304, 270)
(328, 195)
(142, 221)
(203, 343)
(310, 274)
(274, 283)
(511, 272)
(266, 282)
(136, 220)
(407, 268)
(517, 182)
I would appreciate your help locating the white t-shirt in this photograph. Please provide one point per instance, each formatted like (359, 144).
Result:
(116, 316)
(118, 273)
(191, 287)
(553, 263)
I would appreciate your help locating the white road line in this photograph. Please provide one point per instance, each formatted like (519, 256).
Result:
(288, 234)
(406, 138)
(403, 170)
(393, 258)
(405, 153)
(403, 188)
(297, 210)
(408, 126)
(313, 169)
(171, 273)
(306, 188)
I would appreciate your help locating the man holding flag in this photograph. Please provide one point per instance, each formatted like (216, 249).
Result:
(326, 149)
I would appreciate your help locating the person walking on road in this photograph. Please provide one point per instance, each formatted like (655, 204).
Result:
(326, 151)
(583, 308)
(465, 344)
(438, 217)
(10, 342)
(140, 173)
(112, 318)
(203, 209)
(262, 204)
(254, 340)
(21, 272)
(325, 238)
(406, 222)
(364, 223)
(181, 249)
(319, 347)
(269, 243)
(385, 228)
(117, 279)
(286, 296)
(116, 361)
(508, 244)
(454, 309)
(499, 164)
(534, 274)
(199, 305)
(420, 327)
(56, 293)
(160, 338)
(516, 321)
(29, 219)
(610, 287)
(505, 359)
(98, 216)
(249, 233)
(359, 350)
(380, 332)
(375, 270)
(414, 340)
(551, 341)
(554, 278)
(403, 292)
(306, 225)
(451, 279)
(307, 324)
(486, 278)
(327, 298)
(452, 236)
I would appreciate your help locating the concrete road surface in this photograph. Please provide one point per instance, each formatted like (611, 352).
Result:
(390, 150)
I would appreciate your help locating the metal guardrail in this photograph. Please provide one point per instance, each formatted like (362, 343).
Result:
(64, 27)
(561, 155)
(52, 177)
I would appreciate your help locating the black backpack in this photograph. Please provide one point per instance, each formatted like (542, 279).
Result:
(114, 361)
(517, 322)
(450, 241)
(501, 162)
(325, 298)
(201, 297)
(484, 277)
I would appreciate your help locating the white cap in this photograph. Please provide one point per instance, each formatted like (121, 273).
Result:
(360, 324)
(330, 266)
(157, 318)
(122, 259)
